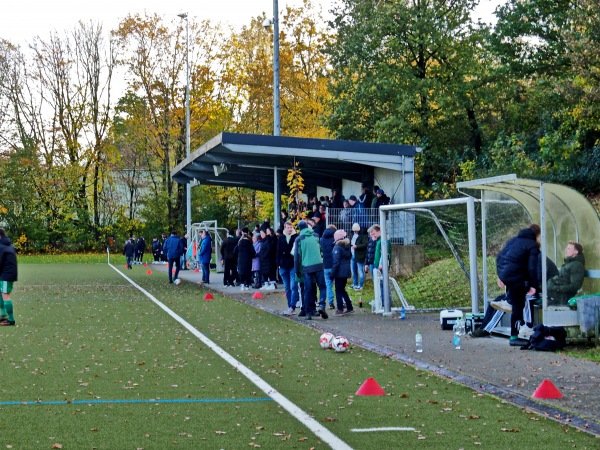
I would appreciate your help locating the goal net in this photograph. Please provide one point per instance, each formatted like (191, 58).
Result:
(434, 270)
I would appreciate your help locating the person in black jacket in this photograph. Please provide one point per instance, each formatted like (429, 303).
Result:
(516, 266)
(129, 251)
(244, 252)
(140, 248)
(228, 260)
(8, 275)
(285, 263)
(265, 256)
(340, 271)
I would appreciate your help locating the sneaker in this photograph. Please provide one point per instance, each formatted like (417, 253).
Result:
(308, 317)
(350, 311)
(339, 312)
(7, 323)
(525, 332)
(331, 306)
(515, 341)
(357, 288)
(288, 312)
(323, 314)
(293, 312)
(479, 333)
(502, 305)
(3, 318)
(302, 314)
(270, 287)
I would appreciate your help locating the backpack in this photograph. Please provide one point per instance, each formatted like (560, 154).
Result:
(547, 339)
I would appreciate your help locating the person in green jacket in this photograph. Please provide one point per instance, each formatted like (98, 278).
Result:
(377, 262)
(570, 277)
(308, 263)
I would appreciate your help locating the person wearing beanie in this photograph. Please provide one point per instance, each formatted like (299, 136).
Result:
(308, 264)
(358, 213)
(359, 242)
(340, 272)
(319, 227)
(382, 199)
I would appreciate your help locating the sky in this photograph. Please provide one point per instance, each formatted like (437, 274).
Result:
(22, 20)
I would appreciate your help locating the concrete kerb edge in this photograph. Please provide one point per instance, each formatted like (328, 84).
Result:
(548, 411)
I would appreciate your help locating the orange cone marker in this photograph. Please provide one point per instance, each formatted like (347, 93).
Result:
(196, 270)
(257, 295)
(547, 390)
(370, 388)
(148, 272)
(208, 297)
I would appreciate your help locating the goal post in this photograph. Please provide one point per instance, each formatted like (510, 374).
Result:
(472, 244)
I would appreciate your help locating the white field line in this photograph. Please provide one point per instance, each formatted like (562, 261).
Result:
(370, 430)
(320, 431)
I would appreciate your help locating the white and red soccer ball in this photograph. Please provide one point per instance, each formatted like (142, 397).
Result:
(177, 281)
(325, 340)
(340, 344)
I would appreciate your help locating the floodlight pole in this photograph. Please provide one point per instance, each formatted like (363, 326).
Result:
(188, 186)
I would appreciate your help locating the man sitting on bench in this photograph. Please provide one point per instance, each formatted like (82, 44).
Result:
(570, 277)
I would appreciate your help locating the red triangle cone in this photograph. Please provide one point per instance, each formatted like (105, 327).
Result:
(257, 295)
(145, 264)
(196, 270)
(208, 296)
(547, 390)
(370, 388)
(148, 272)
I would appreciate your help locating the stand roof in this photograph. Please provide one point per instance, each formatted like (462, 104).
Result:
(248, 160)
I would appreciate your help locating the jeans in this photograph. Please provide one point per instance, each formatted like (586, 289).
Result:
(172, 276)
(311, 281)
(206, 272)
(342, 296)
(358, 272)
(291, 287)
(329, 285)
(516, 297)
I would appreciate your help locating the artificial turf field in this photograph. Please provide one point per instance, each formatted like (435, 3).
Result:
(94, 363)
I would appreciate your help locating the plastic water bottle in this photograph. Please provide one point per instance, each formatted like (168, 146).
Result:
(459, 331)
(360, 303)
(419, 342)
(402, 313)
(456, 340)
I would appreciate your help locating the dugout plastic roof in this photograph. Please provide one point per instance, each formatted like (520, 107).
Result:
(564, 214)
(249, 160)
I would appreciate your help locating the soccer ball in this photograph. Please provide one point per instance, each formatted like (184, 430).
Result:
(325, 340)
(177, 281)
(340, 344)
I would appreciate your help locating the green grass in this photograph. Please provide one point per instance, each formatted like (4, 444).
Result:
(84, 333)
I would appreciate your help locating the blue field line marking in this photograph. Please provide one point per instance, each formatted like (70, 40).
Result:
(176, 400)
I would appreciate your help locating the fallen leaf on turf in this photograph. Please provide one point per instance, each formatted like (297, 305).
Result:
(473, 416)
(260, 428)
(329, 419)
(57, 445)
(509, 430)
(422, 438)
(303, 439)
(220, 432)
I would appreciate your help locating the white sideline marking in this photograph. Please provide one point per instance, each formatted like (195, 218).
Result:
(323, 433)
(369, 430)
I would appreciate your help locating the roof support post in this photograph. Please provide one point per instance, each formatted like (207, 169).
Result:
(276, 198)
